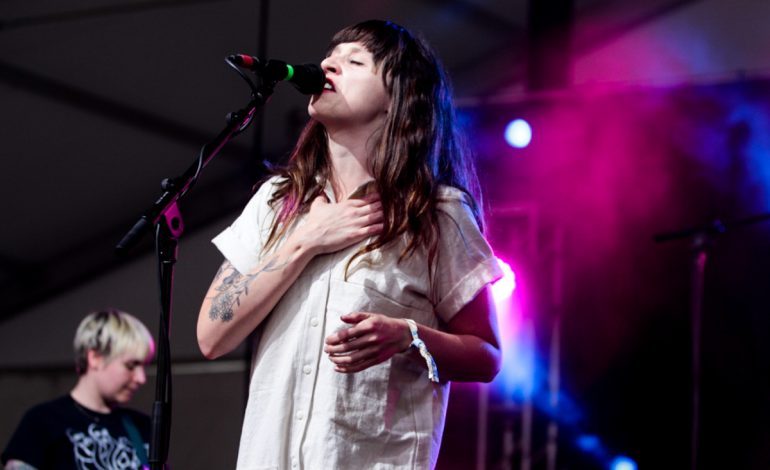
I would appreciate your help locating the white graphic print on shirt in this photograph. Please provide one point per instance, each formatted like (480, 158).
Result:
(98, 450)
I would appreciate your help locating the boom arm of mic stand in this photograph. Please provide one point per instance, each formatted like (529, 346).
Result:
(713, 228)
(237, 122)
(165, 217)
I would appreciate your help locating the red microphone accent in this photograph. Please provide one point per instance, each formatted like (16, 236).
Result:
(246, 60)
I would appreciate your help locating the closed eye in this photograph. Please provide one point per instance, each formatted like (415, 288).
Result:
(131, 365)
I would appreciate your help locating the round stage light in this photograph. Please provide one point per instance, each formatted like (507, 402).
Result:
(504, 287)
(623, 463)
(518, 133)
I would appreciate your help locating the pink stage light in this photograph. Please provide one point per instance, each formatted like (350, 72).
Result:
(504, 287)
(516, 336)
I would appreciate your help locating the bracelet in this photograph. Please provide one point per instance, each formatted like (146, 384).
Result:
(420, 345)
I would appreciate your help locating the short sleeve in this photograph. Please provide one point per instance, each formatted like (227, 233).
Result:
(242, 242)
(29, 441)
(465, 262)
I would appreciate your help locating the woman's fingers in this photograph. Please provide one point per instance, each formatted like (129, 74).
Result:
(354, 356)
(373, 338)
(331, 226)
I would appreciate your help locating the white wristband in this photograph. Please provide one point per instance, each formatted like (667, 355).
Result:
(420, 345)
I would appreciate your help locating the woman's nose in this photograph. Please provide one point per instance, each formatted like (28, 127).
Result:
(329, 65)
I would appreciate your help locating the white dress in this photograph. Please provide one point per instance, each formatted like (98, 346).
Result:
(301, 414)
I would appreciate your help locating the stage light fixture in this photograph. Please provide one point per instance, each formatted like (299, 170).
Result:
(518, 133)
(623, 463)
(589, 443)
(503, 288)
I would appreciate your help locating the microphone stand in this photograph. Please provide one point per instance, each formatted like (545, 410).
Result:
(165, 216)
(702, 238)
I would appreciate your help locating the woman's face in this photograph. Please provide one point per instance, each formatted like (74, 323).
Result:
(354, 94)
(118, 378)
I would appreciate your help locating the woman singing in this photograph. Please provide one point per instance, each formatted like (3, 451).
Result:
(362, 267)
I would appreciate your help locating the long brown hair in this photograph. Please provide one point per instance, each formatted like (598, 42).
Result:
(418, 149)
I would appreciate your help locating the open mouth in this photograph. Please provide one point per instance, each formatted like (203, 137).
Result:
(329, 85)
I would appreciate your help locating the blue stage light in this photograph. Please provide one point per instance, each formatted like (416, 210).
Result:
(589, 443)
(622, 463)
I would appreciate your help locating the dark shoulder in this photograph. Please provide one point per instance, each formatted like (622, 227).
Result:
(57, 406)
(46, 419)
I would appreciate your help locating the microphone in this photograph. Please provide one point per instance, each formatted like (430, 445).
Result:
(309, 79)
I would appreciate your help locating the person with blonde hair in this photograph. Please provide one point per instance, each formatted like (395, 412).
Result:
(362, 267)
(89, 428)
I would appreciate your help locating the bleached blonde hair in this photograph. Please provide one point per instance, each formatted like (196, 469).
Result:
(109, 333)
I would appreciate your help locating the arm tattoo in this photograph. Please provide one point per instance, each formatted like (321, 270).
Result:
(225, 266)
(234, 285)
(18, 465)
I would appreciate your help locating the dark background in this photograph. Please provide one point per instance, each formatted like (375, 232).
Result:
(648, 117)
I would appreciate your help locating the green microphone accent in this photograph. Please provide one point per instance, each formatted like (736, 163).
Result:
(289, 72)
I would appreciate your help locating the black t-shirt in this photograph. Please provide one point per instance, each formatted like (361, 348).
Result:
(61, 434)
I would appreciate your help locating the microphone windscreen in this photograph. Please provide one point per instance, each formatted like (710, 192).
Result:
(309, 79)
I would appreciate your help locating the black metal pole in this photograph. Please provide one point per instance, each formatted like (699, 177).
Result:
(549, 28)
(700, 255)
(702, 238)
(165, 217)
(549, 35)
(167, 234)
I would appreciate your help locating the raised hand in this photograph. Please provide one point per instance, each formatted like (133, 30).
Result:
(329, 227)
